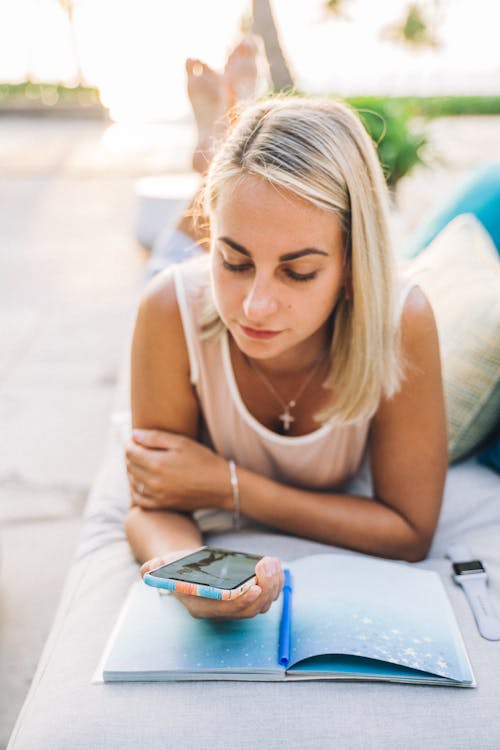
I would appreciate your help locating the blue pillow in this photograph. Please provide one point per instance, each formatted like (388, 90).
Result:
(480, 196)
(490, 456)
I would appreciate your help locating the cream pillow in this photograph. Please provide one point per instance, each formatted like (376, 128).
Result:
(460, 274)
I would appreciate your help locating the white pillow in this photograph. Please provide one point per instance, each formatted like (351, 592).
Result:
(460, 274)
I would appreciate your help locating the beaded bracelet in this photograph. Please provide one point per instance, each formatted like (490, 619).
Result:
(235, 486)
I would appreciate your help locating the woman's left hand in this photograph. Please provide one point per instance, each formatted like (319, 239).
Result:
(167, 470)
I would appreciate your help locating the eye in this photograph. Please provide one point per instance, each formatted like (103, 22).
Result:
(299, 276)
(236, 267)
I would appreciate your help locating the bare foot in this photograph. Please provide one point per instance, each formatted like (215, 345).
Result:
(207, 94)
(241, 71)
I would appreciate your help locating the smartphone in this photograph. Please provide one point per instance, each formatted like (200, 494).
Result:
(209, 571)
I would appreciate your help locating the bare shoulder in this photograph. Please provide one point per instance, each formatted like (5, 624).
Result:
(162, 394)
(159, 322)
(421, 381)
(159, 298)
(417, 318)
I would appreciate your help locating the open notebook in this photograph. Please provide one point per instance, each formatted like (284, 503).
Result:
(352, 617)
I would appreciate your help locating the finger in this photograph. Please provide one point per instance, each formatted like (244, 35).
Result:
(159, 439)
(269, 577)
(140, 481)
(138, 487)
(261, 605)
(281, 583)
(138, 457)
(144, 501)
(244, 606)
(248, 604)
(155, 562)
(159, 560)
(268, 571)
(277, 584)
(265, 602)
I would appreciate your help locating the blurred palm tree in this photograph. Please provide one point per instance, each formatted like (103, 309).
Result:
(337, 8)
(416, 29)
(263, 23)
(68, 6)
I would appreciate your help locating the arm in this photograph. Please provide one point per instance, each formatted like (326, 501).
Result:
(409, 460)
(160, 369)
(163, 399)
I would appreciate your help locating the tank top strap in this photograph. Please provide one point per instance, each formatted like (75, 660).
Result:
(190, 286)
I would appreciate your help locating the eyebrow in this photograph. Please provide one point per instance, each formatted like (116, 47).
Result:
(287, 256)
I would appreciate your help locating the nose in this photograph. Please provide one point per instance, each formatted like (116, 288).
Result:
(260, 302)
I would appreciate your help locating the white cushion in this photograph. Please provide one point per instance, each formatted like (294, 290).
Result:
(460, 274)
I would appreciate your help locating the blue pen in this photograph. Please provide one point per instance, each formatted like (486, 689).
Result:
(286, 621)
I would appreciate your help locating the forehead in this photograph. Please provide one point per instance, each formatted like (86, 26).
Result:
(252, 212)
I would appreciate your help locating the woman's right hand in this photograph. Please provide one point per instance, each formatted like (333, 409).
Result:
(254, 601)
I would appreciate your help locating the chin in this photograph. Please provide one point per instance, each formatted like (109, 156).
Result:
(262, 350)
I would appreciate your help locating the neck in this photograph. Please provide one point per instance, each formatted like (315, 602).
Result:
(289, 401)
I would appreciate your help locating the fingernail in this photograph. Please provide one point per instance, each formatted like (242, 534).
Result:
(139, 434)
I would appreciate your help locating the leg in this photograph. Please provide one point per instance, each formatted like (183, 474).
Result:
(213, 96)
(207, 94)
(241, 72)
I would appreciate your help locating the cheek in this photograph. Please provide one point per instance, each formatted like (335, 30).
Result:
(326, 300)
(217, 289)
(223, 293)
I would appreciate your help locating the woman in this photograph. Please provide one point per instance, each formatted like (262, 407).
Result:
(260, 370)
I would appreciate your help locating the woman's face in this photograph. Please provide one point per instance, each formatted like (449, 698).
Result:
(277, 269)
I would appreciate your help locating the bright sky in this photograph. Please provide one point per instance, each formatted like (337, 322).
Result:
(134, 50)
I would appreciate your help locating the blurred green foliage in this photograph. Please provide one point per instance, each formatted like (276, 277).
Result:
(435, 106)
(47, 94)
(397, 125)
(399, 139)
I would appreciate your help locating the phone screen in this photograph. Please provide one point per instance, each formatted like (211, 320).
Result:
(211, 566)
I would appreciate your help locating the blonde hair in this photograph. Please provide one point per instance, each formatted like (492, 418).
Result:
(318, 150)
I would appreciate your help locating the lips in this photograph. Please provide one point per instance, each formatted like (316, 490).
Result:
(259, 333)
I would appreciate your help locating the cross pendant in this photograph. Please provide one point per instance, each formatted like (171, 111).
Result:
(286, 418)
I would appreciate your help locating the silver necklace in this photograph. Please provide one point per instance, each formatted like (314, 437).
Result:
(286, 417)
